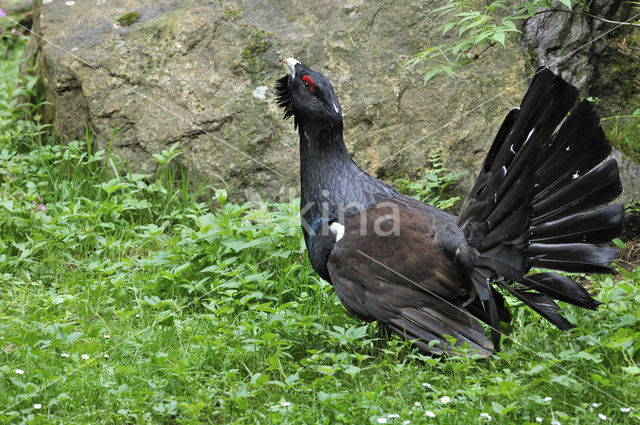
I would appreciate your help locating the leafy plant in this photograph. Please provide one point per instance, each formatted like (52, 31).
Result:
(434, 188)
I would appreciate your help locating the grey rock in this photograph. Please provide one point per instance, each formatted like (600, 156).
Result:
(202, 73)
(569, 44)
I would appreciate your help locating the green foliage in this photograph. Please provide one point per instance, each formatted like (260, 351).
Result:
(478, 26)
(624, 133)
(123, 299)
(434, 188)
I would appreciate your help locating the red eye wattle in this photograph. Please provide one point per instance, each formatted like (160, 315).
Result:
(308, 82)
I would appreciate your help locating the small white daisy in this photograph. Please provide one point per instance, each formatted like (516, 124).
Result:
(64, 355)
(547, 399)
(625, 409)
(107, 336)
(85, 357)
(382, 420)
(426, 385)
(417, 404)
(285, 404)
(555, 423)
(539, 419)
(19, 372)
(596, 404)
(393, 415)
(485, 416)
(37, 406)
(407, 422)
(106, 356)
(445, 399)
(602, 417)
(430, 414)
(138, 315)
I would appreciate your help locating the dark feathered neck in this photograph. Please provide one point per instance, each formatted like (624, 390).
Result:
(332, 185)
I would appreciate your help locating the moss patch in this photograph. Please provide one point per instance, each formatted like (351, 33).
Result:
(128, 19)
(259, 43)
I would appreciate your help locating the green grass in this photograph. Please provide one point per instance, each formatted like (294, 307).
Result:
(124, 300)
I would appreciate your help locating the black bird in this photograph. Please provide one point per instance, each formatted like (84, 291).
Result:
(539, 202)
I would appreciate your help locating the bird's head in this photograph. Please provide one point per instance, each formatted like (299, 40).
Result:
(308, 96)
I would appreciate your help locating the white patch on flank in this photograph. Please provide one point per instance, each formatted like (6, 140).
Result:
(260, 92)
(529, 136)
(337, 229)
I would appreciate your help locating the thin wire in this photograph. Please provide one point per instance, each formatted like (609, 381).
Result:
(158, 104)
(129, 338)
(496, 96)
(497, 330)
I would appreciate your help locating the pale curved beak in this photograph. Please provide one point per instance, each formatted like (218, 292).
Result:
(290, 66)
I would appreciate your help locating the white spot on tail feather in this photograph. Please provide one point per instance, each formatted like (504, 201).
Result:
(529, 136)
(337, 229)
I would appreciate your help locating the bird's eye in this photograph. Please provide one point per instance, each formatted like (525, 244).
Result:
(308, 83)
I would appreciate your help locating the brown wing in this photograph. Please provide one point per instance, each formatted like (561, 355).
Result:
(389, 267)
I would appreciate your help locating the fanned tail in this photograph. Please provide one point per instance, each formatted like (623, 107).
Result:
(540, 201)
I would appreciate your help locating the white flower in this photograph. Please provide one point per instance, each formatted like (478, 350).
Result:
(445, 399)
(106, 356)
(285, 403)
(596, 404)
(430, 414)
(382, 420)
(37, 406)
(64, 355)
(19, 371)
(406, 422)
(393, 415)
(539, 419)
(417, 404)
(555, 423)
(602, 417)
(85, 357)
(107, 336)
(547, 399)
(426, 385)
(138, 315)
(625, 409)
(485, 416)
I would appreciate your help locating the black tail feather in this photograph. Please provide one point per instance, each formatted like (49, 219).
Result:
(595, 188)
(541, 304)
(561, 288)
(572, 257)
